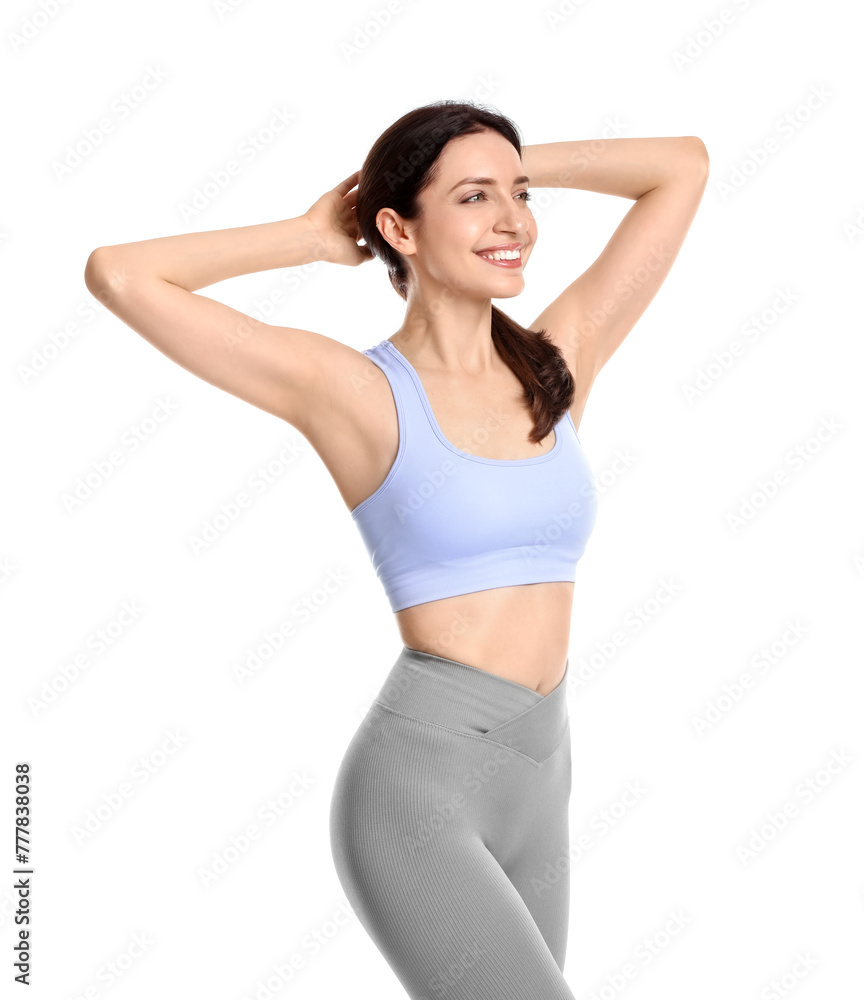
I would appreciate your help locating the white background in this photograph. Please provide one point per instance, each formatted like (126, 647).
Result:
(793, 224)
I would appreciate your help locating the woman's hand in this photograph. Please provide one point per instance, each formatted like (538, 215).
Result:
(335, 223)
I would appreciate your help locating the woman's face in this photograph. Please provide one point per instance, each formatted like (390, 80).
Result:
(459, 219)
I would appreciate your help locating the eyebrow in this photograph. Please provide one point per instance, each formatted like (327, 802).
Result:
(486, 181)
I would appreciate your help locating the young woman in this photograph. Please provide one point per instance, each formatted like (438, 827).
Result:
(454, 445)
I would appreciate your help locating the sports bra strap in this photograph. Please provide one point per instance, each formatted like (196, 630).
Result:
(411, 405)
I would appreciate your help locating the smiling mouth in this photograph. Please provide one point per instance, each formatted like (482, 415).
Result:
(507, 258)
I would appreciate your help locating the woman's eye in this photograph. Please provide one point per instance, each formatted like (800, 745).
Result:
(525, 195)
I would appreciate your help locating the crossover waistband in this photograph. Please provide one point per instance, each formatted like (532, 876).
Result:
(470, 700)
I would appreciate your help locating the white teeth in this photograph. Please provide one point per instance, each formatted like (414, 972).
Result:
(502, 255)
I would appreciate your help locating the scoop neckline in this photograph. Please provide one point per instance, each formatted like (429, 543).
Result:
(433, 421)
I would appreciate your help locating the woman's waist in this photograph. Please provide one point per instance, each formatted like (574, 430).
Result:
(519, 633)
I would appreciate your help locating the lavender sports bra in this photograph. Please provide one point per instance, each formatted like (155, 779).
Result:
(445, 522)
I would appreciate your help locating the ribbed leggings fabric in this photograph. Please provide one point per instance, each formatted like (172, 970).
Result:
(449, 831)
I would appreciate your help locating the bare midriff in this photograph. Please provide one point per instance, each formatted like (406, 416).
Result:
(521, 633)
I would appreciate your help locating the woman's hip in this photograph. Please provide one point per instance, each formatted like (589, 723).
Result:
(447, 749)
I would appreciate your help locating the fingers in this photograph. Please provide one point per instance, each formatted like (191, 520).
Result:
(348, 183)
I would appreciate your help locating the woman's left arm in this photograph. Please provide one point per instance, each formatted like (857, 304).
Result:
(666, 176)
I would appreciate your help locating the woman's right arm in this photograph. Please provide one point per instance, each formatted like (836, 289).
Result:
(150, 285)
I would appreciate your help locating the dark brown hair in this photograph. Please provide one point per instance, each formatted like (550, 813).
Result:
(397, 168)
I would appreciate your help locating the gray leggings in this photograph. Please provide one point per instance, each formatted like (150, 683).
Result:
(449, 831)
